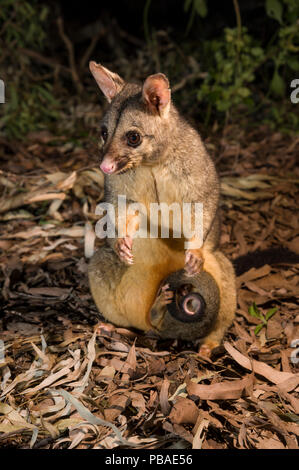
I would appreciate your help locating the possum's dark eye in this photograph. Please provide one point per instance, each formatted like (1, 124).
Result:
(133, 138)
(104, 133)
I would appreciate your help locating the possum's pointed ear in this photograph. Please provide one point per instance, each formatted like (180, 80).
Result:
(110, 83)
(156, 94)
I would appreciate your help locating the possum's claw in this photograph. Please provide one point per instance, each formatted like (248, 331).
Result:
(166, 295)
(193, 262)
(124, 250)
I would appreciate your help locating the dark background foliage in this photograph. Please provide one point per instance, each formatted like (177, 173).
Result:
(227, 60)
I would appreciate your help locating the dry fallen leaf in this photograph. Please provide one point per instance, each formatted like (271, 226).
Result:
(261, 368)
(184, 411)
(220, 391)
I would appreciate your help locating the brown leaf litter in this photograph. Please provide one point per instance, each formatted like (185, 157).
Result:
(70, 380)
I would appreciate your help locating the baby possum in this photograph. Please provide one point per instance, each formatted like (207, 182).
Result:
(186, 307)
(189, 308)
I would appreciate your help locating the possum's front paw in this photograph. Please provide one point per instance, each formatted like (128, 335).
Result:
(123, 248)
(207, 347)
(193, 262)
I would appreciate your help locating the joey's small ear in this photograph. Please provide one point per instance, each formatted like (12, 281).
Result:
(156, 94)
(110, 83)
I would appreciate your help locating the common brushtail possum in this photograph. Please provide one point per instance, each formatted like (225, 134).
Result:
(150, 154)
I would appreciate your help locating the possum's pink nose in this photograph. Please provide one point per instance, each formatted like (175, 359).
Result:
(108, 167)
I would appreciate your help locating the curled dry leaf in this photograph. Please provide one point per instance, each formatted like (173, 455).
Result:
(200, 433)
(222, 390)
(261, 368)
(117, 405)
(184, 411)
(164, 403)
(138, 402)
(68, 183)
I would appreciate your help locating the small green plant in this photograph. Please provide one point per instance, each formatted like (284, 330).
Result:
(28, 108)
(284, 51)
(22, 23)
(254, 311)
(234, 60)
(245, 72)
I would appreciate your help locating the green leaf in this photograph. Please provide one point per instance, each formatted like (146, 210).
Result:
(187, 5)
(244, 92)
(277, 85)
(270, 313)
(201, 8)
(258, 329)
(274, 9)
(293, 63)
(254, 311)
(44, 13)
(257, 51)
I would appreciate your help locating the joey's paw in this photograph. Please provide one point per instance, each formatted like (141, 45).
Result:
(165, 296)
(206, 349)
(124, 249)
(159, 308)
(193, 262)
